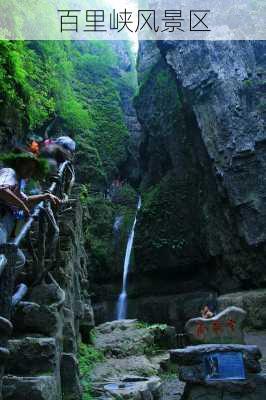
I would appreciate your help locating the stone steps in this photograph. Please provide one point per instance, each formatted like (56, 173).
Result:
(30, 356)
(32, 369)
(30, 388)
(43, 363)
(30, 317)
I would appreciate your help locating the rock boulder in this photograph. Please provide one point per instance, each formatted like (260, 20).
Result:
(252, 301)
(129, 337)
(225, 327)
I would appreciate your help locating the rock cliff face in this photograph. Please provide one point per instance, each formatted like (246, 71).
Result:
(202, 109)
(130, 169)
(226, 95)
(201, 229)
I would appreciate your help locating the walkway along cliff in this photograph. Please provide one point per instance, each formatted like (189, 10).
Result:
(39, 336)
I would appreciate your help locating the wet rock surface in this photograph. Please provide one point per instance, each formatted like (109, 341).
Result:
(258, 338)
(70, 379)
(122, 338)
(172, 388)
(129, 337)
(134, 358)
(117, 368)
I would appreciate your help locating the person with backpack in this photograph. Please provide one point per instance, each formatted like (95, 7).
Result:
(60, 149)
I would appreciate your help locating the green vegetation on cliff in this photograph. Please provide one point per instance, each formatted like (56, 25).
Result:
(159, 235)
(159, 239)
(158, 102)
(162, 237)
(80, 84)
(76, 88)
(106, 252)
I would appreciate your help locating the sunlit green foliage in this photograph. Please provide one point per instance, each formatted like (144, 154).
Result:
(21, 78)
(146, 325)
(80, 83)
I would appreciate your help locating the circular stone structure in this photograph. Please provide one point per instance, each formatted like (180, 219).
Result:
(135, 388)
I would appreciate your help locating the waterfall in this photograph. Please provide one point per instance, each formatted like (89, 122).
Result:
(121, 308)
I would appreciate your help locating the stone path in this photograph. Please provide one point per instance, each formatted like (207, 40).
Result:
(124, 343)
(135, 356)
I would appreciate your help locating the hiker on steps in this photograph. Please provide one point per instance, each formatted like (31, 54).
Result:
(18, 167)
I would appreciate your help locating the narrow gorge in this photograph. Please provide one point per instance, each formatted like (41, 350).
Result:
(167, 213)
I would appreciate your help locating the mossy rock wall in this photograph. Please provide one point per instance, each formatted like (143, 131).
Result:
(180, 229)
(202, 140)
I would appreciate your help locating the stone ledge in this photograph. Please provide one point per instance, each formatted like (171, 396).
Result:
(192, 366)
(29, 388)
(32, 355)
(193, 354)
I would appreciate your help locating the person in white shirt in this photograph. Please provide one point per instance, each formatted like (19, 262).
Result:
(19, 167)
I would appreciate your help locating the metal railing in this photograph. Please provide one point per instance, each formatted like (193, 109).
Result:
(61, 186)
(3, 262)
(66, 166)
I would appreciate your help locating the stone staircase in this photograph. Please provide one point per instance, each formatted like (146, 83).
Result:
(32, 370)
(43, 364)
(36, 348)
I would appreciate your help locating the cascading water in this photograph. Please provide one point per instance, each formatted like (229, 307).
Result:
(121, 308)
